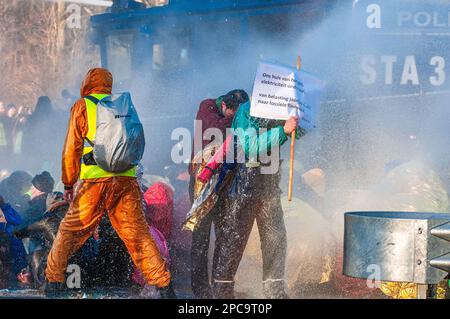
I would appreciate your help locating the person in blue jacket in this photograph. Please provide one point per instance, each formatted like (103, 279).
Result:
(9, 219)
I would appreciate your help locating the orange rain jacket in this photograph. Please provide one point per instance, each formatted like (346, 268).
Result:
(120, 197)
(97, 81)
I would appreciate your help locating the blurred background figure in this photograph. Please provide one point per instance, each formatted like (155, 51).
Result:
(3, 139)
(42, 138)
(14, 187)
(68, 98)
(10, 121)
(41, 186)
(17, 143)
(2, 109)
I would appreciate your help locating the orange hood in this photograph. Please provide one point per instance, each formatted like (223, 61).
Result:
(98, 81)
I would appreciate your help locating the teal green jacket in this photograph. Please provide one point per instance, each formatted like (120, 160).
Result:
(249, 135)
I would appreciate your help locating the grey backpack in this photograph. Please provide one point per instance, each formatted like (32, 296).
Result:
(119, 139)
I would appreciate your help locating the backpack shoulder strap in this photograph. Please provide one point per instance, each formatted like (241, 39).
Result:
(92, 118)
(93, 99)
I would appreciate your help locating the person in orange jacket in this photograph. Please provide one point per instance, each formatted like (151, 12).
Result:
(117, 194)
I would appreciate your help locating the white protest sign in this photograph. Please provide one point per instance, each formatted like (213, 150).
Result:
(280, 91)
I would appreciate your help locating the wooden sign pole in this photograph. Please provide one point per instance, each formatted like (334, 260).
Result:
(291, 163)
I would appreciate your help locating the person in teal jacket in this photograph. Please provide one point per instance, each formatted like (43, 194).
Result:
(254, 194)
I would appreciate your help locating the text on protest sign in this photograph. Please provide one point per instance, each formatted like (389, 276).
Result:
(280, 91)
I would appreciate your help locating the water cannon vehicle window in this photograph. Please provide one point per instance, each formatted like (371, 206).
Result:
(171, 51)
(119, 55)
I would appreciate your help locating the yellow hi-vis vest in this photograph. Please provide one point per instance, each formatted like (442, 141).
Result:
(93, 171)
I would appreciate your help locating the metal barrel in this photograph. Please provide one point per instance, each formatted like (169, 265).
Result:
(397, 246)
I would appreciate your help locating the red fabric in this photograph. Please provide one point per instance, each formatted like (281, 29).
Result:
(217, 160)
(210, 117)
(159, 212)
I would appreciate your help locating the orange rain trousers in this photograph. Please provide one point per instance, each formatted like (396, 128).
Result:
(120, 197)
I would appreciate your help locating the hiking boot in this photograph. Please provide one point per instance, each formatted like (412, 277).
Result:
(167, 292)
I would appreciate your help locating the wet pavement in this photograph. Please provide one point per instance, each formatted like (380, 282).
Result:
(112, 293)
